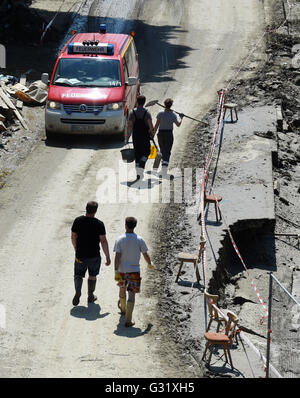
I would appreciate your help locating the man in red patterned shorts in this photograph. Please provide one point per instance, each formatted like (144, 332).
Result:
(128, 249)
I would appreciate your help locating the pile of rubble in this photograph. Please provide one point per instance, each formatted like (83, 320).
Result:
(21, 24)
(13, 94)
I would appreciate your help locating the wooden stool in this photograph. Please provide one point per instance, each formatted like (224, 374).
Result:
(213, 199)
(231, 107)
(188, 258)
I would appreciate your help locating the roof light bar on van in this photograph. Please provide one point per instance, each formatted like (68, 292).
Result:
(102, 28)
(89, 47)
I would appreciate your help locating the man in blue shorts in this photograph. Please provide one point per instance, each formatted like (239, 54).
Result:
(87, 233)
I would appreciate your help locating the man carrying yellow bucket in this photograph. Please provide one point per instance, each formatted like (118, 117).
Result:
(141, 127)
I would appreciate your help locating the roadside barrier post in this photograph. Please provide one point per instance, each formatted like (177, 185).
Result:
(269, 325)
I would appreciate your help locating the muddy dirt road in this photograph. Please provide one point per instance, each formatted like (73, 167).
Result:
(187, 51)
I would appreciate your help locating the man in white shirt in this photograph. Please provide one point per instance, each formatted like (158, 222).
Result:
(128, 248)
(164, 124)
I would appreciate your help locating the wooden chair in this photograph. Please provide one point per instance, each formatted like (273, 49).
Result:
(214, 315)
(231, 107)
(224, 339)
(191, 258)
(213, 199)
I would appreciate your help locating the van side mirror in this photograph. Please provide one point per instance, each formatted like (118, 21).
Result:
(45, 78)
(132, 81)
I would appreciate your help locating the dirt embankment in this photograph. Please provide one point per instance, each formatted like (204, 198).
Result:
(277, 83)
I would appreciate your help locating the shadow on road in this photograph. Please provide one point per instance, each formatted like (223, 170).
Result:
(224, 370)
(132, 331)
(144, 184)
(157, 54)
(85, 142)
(89, 313)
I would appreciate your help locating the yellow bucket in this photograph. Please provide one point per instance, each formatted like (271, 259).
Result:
(153, 152)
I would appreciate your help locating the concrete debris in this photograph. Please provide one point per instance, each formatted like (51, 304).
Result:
(12, 95)
(295, 49)
(19, 87)
(37, 93)
(8, 79)
(296, 61)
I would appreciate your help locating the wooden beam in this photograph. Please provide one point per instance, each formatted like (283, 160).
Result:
(19, 103)
(9, 103)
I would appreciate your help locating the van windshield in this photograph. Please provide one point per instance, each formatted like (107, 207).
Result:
(89, 72)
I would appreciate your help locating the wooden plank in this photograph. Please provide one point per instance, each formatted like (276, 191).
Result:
(19, 103)
(6, 99)
(3, 104)
(11, 106)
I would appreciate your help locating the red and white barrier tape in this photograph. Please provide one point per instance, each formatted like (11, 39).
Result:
(217, 130)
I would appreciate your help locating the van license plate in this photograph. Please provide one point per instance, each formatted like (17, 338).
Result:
(78, 127)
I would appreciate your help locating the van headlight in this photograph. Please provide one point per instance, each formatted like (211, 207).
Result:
(115, 106)
(53, 105)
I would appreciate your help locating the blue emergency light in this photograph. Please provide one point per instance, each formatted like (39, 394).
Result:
(91, 48)
(102, 28)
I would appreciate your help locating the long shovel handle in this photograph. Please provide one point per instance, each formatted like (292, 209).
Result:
(152, 139)
(189, 117)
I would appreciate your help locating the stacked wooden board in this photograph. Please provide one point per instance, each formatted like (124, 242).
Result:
(7, 105)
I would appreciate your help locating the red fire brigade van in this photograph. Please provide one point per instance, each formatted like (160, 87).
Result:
(94, 85)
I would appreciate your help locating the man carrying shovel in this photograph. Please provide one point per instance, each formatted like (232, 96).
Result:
(164, 124)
